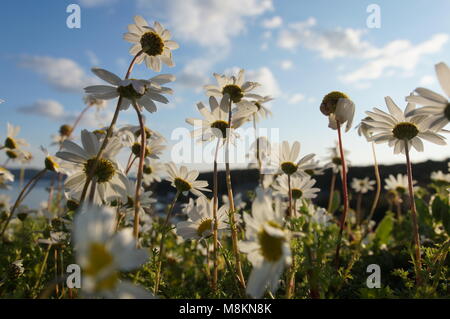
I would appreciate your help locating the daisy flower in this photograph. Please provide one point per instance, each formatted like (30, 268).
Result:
(362, 185)
(235, 87)
(440, 177)
(108, 176)
(154, 42)
(397, 128)
(239, 203)
(200, 222)
(253, 109)
(102, 253)
(215, 123)
(301, 187)
(339, 109)
(289, 162)
(334, 159)
(11, 142)
(266, 245)
(19, 155)
(319, 215)
(185, 181)
(143, 92)
(152, 171)
(91, 101)
(51, 163)
(127, 131)
(398, 184)
(5, 177)
(436, 107)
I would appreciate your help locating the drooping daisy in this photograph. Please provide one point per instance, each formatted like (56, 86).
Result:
(301, 187)
(339, 109)
(11, 142)
(397, 128)
(144, 92)
(5, 177)
(102, 254)
(128, 130)
(266, 246)
(185, 181)
(215, 123)
(154, 42)
(19, 155)
(109, 178)
(200, 222)
(235, 87)
(152, 171)
(362, 185)
(398, 184)
(436, 107)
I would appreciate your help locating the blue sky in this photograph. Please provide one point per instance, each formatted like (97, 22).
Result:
(298, 50)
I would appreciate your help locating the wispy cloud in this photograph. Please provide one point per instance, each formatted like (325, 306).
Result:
(55, 111)
(272, 23)
(208, 23)
(61, 73)
(396, 56)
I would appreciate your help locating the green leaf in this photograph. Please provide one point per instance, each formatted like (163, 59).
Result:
(336, 201)
(425, 218)
(384, 229)
(439, 208)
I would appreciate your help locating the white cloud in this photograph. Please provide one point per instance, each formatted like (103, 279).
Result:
(93, 58)
(427, 80)
(286, 64)
(55, 111)
(340, 42)
(296, 98)
(272, 23)
(47, 108)
(208, 23)
(399, 55)
(264, 76)
(95, 3)
(61, 73)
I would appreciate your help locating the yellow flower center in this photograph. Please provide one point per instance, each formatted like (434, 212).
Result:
(288, 168)
(234, 91)
(181, 185)
(65, 130)
(147, 170)
(148, 133)
(72, 205)
(337, 161)
(271, 247)
(104, 170)
(99, 260)
(50, 164)
(10, 143)
(136, 149)
(204, 227)
(11, 154)
(296, 193)
(152, 44)
(330, 101)
(405, 131)
(447, 111)
(129, 92)
(222, 126)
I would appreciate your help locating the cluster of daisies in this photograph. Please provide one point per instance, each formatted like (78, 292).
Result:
(115, 207)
